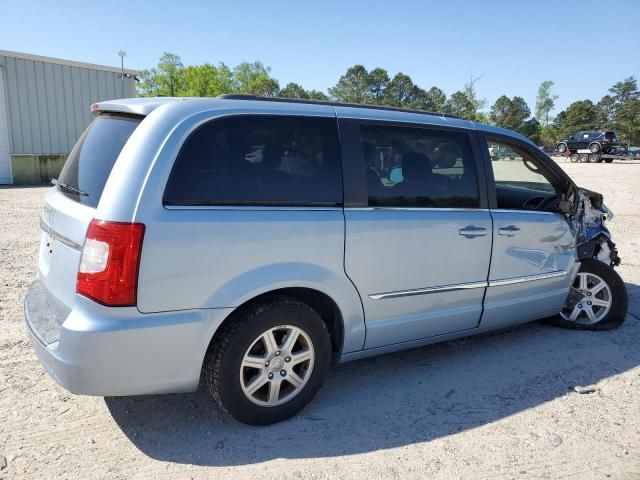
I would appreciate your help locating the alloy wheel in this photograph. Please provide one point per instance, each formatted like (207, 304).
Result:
(277, 366)
(594, 302)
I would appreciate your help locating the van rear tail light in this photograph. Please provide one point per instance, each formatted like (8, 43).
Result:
(110, 261)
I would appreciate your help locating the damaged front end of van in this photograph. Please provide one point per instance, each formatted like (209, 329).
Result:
(593, 239)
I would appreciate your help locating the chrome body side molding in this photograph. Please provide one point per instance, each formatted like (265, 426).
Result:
(467, 286)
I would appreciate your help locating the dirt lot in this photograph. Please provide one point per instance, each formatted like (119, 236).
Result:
(501, 405)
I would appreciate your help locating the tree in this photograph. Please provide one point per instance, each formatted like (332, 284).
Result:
(476, 103)
(580, 115)
(254, 78)
(531, 128)
(545, 102)
(400, 91)
(436, 100)
(625, 111)
(148, 86)
(465, 103)
(510, 113)
(317, 95)
(352, 87)
(207, 80)
(293, 90)
(170, 76)
(460, 106)
(377, 86)
(605, 110)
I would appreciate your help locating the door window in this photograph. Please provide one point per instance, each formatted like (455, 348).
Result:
(259, 160)
(521, 182)
(419, 167)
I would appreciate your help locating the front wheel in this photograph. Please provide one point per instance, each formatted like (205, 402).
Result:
(269, 362)
(561, 148)
(597, 301)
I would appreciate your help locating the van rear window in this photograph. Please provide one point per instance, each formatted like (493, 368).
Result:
(87, 169)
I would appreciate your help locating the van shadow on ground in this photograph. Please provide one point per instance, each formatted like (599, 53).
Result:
(393, 400)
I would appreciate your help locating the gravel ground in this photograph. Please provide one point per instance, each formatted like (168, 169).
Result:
(512, 404)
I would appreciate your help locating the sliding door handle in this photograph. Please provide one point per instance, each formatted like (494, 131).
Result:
(508, 231)
(472, 231)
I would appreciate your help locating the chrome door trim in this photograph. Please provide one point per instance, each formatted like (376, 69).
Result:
(467, 286)
(414, 209)
(59, 237)
(251, 208)
(512, 210)
(424, 291)
(528, 278)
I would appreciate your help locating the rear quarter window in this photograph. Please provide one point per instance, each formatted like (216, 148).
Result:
(89, 164)
(258, 160)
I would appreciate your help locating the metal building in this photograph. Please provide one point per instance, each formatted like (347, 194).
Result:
(44, 107)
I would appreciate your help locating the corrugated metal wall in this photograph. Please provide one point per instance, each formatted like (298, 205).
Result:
(48, 104)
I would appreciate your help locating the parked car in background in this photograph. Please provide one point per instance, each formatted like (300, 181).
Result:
(251, 242)
(596, 141)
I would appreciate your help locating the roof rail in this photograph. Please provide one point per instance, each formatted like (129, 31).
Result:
(247, 96)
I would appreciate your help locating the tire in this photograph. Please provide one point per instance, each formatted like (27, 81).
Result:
(227, 379)
(617, 292)
(595, 148)
(593, 158)
(574, 157)
(561, 148)
(608, 160)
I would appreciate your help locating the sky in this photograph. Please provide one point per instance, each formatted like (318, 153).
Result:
(583, 46)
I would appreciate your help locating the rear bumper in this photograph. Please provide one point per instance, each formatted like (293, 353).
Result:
(120, 351)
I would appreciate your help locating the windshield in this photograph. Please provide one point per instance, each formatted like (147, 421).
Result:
(87, 169)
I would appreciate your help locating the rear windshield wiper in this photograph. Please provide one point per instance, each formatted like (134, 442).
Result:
(71, 189)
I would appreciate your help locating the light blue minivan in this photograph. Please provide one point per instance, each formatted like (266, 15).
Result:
(247, 243)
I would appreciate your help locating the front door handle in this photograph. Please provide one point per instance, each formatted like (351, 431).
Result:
(508, 231)
(472, 231)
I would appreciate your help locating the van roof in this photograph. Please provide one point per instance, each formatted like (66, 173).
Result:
(145, 105)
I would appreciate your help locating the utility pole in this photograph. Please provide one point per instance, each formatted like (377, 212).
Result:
(122, 54)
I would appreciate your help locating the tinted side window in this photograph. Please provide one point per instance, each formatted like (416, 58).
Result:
(254, 160)
(419, 167)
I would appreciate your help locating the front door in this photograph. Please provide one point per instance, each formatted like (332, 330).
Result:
(533, 260)
(418, 252)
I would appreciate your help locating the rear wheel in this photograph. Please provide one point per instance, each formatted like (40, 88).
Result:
(608, 160)
(594, 147)
(598, 300)
(269, 362)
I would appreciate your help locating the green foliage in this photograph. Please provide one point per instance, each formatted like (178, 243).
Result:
(580, 115)
(545, 102)
(619, 111)
(293, 90)
(352, 86)
(510, 113)
(460, 106)
(254, 78)
(377, 85)
(207, 80)
(625, 110)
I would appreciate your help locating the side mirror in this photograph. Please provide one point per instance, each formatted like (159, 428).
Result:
(565, 206)
(396, 175)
